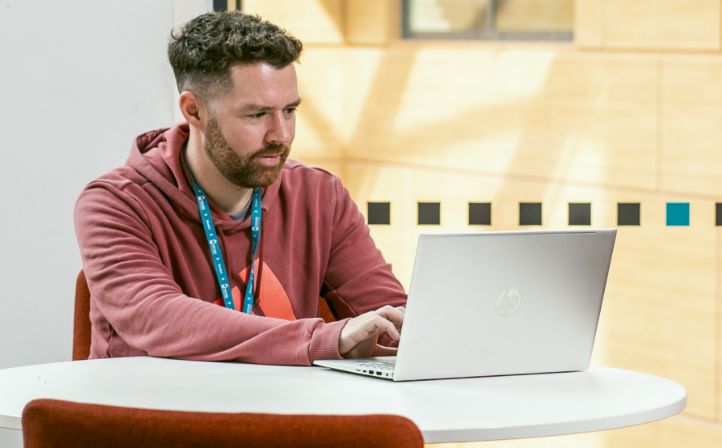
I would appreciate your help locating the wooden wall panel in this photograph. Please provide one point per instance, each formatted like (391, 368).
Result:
(372, 23)
(685, 432)
(363, 96)
(568, 115)
(689, 24)
(661, 24)
(691, 137)
(588, 23)
(312, 21)
(630, 24)
(320, 130)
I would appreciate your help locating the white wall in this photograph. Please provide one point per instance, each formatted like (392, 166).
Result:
(79, 79)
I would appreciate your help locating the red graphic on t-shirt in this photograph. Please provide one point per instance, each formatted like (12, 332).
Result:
(273, 302)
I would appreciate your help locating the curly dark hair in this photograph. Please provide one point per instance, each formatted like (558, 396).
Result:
(204, 49)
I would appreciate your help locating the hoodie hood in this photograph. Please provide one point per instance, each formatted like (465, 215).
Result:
(157, 156)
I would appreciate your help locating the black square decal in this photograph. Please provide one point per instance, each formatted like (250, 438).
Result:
(580, 214)
(628, 213)
(379, 213)
(480, 213)
(718, 209)
(530, 213)
(429, 213)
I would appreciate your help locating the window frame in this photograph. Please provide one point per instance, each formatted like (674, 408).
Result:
(485, 33)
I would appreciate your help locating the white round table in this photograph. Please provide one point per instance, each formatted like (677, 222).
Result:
(454, 410)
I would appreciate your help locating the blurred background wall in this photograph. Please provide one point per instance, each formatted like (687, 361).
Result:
(628, 111)
(80, 79)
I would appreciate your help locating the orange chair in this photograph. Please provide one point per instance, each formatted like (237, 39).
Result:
(81, 321)
(52, 423)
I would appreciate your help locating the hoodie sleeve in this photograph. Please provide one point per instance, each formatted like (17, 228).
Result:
(147, 312)
(358, 278)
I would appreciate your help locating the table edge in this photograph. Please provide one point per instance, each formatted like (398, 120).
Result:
(557, 429)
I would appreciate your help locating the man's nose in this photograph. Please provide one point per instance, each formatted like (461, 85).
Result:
(279, 131)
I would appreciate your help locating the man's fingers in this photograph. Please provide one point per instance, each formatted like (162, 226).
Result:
(379, 324)
(395, 315)
(382, 350)
(366, 328)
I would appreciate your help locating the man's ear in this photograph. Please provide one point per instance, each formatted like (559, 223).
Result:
(193, 109)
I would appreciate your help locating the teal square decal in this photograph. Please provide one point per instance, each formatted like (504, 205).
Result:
(677, 213)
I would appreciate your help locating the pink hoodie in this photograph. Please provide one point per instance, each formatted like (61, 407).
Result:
(153, 288)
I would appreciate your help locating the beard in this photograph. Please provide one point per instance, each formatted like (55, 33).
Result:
(243, 171)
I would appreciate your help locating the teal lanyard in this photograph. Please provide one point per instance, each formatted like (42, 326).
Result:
(217, 255)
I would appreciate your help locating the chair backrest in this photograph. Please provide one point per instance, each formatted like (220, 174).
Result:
(50, 423)
(81, 321)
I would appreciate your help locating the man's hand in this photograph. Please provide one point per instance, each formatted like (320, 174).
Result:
(360, 335)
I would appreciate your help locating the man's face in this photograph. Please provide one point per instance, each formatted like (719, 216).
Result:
(250, 128)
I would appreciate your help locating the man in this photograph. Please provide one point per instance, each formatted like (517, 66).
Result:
(209, 245)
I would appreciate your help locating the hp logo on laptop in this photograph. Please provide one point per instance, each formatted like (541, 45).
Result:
(508, 302)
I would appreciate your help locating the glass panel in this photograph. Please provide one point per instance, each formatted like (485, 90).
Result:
(447, 16)
(489, 19)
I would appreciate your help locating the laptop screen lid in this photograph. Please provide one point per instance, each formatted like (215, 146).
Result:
(501, 303)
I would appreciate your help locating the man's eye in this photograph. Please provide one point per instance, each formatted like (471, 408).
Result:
(258, 115)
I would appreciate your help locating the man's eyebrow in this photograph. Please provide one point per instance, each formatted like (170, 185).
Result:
(261, 108)
(294, 104)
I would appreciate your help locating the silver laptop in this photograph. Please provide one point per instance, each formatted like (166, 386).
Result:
(498, 303)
